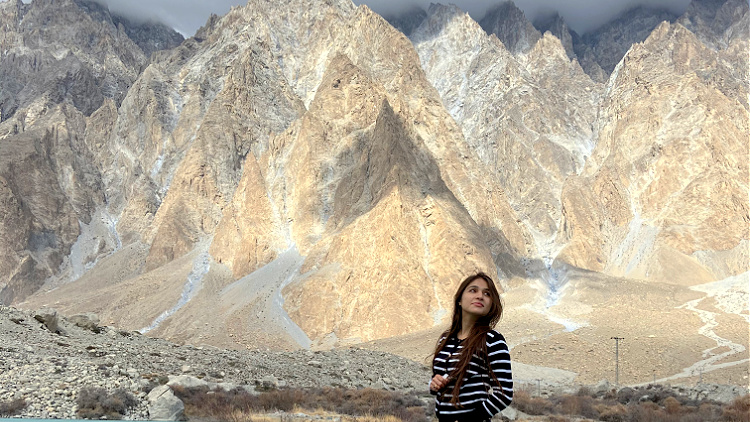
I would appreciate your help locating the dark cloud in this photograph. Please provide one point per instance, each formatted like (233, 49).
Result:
(581, 15)
(186, 16)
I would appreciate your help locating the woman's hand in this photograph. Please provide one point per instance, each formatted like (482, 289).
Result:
(438, 382)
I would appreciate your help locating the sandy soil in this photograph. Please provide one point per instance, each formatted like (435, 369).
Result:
(671, 332)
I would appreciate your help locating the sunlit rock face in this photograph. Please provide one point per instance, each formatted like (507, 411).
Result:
(667, 178)
(320, 135)
(529, 117)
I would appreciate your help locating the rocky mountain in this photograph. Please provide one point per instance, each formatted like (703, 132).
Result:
(509, 24)
(575, 46)
(609, 43)
(556, 25)
(62, 61)
(661, 191)
(408, 21)
(307, 176)
(530, 136)
(717, 24)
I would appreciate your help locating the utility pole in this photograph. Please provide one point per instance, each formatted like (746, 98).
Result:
(539, 387)
(617, 359)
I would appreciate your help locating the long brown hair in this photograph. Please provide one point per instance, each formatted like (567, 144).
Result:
(476, 341)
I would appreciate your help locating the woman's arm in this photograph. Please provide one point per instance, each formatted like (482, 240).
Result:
(498, 358)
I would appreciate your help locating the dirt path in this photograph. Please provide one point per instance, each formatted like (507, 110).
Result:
(731, 296)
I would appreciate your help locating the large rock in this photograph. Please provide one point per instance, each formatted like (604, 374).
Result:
(186, 381)
(88, 321)
(164, 405)
(50, 319)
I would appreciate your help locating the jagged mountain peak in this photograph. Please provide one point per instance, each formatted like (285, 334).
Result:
(150, 36)
(407, 21)
(555, 24)
(451, 18)
(718, 23)
(611, 41)
(510, 25)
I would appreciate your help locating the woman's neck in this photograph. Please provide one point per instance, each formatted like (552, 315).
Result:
(467, 323)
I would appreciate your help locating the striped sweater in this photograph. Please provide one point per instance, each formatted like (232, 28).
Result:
(480, 397)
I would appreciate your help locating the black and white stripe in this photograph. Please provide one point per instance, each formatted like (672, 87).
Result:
(480, 397)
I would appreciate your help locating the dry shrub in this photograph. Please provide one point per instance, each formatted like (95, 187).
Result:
(645, 412)
(709, 412)
(659, 393)
(97, 403)
(651, 412)
(738, 410)
(556, 418)
(585, 392)
(672, 405)
(223, 406)
(11, 407)
(615, 413)
(626, 395)
(523, 401)
(578, 405)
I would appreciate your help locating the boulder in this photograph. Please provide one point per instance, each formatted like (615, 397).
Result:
(186, 381)
(602, 387)
(50, 319)
(163, 405)
(509, 413)
(269, 382)
(88, 321)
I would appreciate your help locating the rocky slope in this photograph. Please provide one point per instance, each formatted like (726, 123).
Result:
(49, 369)
(48, 359)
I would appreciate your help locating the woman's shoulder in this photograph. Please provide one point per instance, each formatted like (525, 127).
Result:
(494, 337)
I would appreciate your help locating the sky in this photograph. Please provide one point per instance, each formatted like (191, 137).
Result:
(186, 16)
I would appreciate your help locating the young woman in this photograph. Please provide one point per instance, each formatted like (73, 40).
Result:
(471, 374)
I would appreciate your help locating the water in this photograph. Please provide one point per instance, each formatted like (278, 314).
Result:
(55, 420)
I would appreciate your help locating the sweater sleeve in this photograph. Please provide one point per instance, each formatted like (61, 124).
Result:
(437, 364)
(501, 395)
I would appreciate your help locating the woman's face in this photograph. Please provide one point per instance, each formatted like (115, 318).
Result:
(476, 298)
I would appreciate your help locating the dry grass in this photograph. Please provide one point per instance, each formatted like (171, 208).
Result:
(97, 403)
(11, 407)
(737, 411)
(653, 404)
(245, 417)
(239, 406)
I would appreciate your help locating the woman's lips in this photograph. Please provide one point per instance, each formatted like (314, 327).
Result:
(481, 305)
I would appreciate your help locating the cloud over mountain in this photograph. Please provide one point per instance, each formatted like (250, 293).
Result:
(186, 16)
